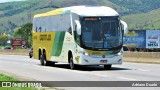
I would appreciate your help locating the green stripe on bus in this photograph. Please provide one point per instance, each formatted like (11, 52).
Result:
(58, 43)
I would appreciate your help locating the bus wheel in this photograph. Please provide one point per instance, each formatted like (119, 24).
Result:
(71, 63)
(107, 67)
(30, 56)
(43, 61)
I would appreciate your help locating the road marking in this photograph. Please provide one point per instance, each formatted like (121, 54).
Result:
(100, 75)
(75, 71)
(66, 70)
(26, 64)
(143, 70)
(127, 78)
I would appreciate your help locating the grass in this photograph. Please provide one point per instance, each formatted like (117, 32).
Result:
(8, 78)
(1, 47)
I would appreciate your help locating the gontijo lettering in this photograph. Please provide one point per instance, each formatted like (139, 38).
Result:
(45, 37)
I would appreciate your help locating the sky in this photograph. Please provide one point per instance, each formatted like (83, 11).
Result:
(2, 1)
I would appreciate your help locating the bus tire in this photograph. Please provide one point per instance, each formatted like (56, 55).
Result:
(43, 61)
(71, 63)
(30, 56)
(107, 67)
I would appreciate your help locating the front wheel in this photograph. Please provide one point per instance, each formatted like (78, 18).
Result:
(107, 67)
(71, 63)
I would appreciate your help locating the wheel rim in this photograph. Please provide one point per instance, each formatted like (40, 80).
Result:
(43, 62)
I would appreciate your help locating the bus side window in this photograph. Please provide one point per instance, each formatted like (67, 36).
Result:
(70, 30)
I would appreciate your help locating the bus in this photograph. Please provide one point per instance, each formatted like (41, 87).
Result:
(79, 35)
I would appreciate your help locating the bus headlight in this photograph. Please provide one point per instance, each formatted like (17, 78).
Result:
(85, 53)
(120, 53)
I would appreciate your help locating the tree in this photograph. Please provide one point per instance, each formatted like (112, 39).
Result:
(3, 39)
(11, 26)
(25, 32)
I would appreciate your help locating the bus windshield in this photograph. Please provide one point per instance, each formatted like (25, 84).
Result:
(101, 32)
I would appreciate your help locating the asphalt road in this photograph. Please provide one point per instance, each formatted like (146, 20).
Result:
(30, 69)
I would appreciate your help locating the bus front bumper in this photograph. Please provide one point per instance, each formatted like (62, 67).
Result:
(91, 60)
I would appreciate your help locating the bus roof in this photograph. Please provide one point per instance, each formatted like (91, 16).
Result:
(82, 11)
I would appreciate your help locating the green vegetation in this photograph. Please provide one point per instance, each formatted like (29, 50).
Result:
(16, 14)
(3, 40)
(7, 78)
(25, 32)
(144, 21)
(138, 6)
(139, 14)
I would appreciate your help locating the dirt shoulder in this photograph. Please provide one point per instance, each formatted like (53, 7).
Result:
(142, 60)
(142, 57)
(14, 52)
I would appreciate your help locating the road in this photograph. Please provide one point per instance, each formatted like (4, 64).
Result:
(30, 69)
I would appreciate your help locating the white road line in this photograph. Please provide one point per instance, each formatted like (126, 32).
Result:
(144, 70)
(100, 75)
(25, 64)
(127, 78)
(79, 72)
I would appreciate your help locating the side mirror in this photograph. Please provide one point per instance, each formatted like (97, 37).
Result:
(78, 28)
(125, 27)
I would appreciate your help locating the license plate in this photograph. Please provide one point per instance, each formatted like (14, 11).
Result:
(103, 61)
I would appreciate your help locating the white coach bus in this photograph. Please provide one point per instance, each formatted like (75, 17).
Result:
(79, 35)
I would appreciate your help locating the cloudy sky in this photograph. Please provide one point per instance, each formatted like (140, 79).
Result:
(2, 1)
